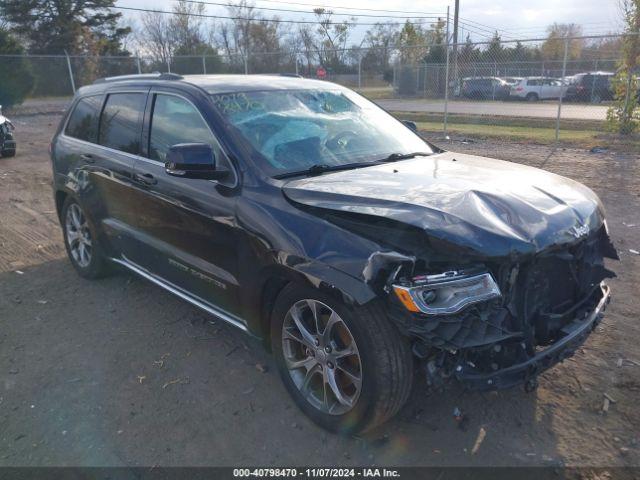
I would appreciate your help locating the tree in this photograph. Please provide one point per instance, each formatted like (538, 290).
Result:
(624, 115)
(331, 39)
(380, 40)
(412, 43)
(16, 80)
(553, 46)
(75, 26)
(437, 43)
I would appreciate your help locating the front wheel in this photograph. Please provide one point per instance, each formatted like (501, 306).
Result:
(8, 153)
(348, 369)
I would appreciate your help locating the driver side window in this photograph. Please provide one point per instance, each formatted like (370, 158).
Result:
(175, 120)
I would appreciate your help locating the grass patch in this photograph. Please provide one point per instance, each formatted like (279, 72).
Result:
(376, 93)
(514, 132)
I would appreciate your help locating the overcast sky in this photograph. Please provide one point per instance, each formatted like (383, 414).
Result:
(513, 18)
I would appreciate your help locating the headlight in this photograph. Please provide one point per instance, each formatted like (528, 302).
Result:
(447, 293)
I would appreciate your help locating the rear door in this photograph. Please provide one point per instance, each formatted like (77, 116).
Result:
(100, 176)
(187, 225)
(119, 137)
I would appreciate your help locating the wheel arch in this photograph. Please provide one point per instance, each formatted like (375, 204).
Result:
(328, 280)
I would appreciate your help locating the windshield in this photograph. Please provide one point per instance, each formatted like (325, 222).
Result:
(294, 130)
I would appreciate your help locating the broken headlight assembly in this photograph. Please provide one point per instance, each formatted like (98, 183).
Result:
(446, 293)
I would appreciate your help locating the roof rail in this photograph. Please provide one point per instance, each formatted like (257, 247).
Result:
(293, 75)
(142, 76)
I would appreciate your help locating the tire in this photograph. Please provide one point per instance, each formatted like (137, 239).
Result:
(532, 97)
(93, 264)
(382, 361)
(8, 153)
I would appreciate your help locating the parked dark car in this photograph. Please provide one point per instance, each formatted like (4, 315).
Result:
(303, 214)
(594, 87)
(485, 88)
(7, 141)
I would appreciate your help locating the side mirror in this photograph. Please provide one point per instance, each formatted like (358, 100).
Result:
(193, 160)
(411, 125)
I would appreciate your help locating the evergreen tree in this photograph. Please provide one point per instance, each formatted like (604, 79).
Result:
(16, 80)
(77, 26)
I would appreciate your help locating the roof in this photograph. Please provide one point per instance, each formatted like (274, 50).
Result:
(222, 83)
(244, 83)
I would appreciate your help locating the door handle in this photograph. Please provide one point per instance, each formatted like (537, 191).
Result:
(145, 178)
(87, 158)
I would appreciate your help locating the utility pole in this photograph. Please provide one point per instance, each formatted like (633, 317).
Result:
(456, 10)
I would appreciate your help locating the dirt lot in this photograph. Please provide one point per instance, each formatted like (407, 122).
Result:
(119, 372)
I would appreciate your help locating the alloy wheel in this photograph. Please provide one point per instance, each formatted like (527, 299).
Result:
(78, 235)
(322, 357)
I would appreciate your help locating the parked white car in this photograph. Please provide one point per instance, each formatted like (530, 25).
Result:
(533, 89)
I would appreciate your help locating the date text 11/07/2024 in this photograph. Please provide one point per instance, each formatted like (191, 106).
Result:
(317, 472)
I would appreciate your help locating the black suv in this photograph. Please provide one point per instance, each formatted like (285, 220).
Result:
(485, 88)
(303, 214)
(592, 87)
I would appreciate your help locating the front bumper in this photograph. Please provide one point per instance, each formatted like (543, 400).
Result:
(8, 145)
(575, 333)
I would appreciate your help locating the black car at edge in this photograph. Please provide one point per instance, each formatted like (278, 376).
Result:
(305, 215)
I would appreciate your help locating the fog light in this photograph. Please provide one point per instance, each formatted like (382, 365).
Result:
(447, 293)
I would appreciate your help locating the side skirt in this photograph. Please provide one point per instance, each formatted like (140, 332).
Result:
(192, 299)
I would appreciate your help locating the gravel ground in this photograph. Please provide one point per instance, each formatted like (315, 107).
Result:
(118, 372)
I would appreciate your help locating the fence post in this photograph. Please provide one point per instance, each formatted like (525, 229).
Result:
(564, 71)
(446, 80)
(204, 65)
(296, 62)
(168, 65)
(360, 70)
(138, 64)
(73, 83)
(246, 63)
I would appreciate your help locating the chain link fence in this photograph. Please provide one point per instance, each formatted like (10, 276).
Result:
(523, 87)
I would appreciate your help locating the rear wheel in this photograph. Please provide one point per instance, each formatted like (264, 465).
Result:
(348, 370)
(532, 97)
(81, 241)
(8, 153)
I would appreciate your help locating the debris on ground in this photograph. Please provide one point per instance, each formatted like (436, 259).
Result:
(262, 368)
(19, 272)
(619, 362)
(599, 150)
(141, 378)
(461, 418)
(605, 405)
(479, 439)
(181, 381)
(609, 397)
(635, 252)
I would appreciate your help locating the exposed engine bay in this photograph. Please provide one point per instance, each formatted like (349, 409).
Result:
(476, 324)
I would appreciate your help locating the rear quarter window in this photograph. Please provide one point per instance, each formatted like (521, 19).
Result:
(83, 122)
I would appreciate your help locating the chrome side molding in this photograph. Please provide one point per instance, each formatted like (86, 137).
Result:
(207, 307)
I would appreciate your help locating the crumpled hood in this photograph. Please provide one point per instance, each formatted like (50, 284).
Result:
(494, 207)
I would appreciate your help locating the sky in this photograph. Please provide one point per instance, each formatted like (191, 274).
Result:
(514, 19)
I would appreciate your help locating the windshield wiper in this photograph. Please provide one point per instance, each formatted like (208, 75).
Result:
(319, 168)
(394, 157)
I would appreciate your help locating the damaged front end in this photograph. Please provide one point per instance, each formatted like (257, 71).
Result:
(500, 323)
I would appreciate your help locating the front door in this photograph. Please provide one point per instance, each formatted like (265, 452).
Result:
(186, 226)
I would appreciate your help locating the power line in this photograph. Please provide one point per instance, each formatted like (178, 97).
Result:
(349, 8)
(273, 20)
(200, 2)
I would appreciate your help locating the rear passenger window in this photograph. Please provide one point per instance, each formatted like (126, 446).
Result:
(121, 122)
(83, 122)
(533, 83)
(174, 121)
